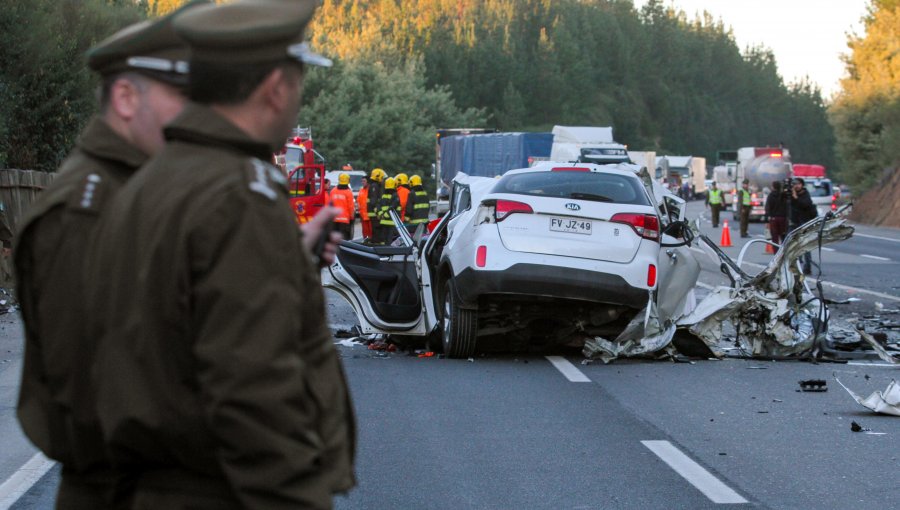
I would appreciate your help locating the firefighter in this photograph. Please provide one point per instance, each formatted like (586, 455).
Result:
(342, 198)
(403, 195)
(744, 204)
(143, 73)
(218, 384)
(417, 204)
(714, 202)
(389, 200)
(362, 201)
(376, 187)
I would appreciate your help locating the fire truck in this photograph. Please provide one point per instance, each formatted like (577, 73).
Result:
(305, 171)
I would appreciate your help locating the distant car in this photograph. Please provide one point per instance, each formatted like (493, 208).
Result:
(559, 252)
(823, 194)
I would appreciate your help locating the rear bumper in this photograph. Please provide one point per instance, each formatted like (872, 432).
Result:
(547, 281)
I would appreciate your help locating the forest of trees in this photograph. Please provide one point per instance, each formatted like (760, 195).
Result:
(405, 67)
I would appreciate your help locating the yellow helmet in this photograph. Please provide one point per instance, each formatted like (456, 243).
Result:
(402, 179)
(390, 183)
(415, 181)
(344, 179)
(375, 174)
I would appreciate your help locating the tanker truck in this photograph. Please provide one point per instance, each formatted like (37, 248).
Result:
(761, 166)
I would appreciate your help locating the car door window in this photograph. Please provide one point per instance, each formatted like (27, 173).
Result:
(461, 199)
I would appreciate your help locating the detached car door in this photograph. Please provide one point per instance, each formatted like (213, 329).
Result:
(381, 283)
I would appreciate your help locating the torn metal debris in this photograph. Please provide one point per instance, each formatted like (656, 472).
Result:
(882, 402)
(773, 313)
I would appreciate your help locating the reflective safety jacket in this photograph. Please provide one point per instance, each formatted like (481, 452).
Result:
(715, 197)
(403, 195)
(417, 206)
(362, 199)
(745, 197)
(342, 198)
(389, 200)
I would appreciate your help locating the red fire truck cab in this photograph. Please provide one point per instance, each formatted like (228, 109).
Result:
(305, 169)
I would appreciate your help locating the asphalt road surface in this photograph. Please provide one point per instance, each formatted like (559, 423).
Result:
(543, 430)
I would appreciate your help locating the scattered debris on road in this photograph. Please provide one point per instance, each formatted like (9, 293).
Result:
(813, 385)
(882, 402)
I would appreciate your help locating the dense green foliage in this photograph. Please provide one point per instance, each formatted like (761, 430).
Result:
(46, 92)
(664, 82)
(866, 114)
(372, 116)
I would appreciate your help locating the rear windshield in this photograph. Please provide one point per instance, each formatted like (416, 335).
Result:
(592, 186)
(820, 189)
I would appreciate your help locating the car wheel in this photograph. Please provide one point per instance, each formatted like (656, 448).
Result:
(458, 326)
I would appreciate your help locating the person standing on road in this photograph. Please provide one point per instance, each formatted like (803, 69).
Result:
(417, 204)
(802, 210)
(342, 198)
(744, 204)
(714, 202)
(388, 201)
(376, 189)
(776, 212)
(219, 386)
(143, 70)
(403, 194)
(362, 202)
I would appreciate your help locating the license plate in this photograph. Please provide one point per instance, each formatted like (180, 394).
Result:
(571, 226)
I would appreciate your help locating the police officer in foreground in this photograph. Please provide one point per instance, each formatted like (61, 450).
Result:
(143, 72)
(219, 386)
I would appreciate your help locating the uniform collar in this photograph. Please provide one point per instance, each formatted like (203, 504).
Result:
(201, 124)
(101, 141)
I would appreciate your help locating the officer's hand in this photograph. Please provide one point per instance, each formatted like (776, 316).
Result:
(312, 231)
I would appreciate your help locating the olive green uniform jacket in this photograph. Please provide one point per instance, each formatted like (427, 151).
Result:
(56, 402)
(215, 356)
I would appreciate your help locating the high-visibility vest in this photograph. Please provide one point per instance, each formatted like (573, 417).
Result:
(419, 201)
(388, 201)
(342, 198)
(745, 198)
(403, 195)
(363, 200)
(715, 197)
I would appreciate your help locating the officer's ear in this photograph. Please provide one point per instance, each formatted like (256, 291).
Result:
(125, 96)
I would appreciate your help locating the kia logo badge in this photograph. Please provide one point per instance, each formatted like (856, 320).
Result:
(573, 207)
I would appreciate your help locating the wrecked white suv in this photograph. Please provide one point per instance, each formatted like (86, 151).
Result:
(553, 254)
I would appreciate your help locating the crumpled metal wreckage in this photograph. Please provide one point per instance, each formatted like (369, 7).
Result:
(774, 313)
(882, 402)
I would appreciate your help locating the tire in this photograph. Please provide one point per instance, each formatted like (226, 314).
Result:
(458, 326)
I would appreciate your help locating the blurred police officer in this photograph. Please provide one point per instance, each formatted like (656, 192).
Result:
(143, 70)
(219, 385)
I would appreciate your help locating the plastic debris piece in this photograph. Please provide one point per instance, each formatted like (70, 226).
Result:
(814, 385)
(426, 354)
(882, 402)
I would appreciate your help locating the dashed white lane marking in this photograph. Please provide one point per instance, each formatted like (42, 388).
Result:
(870, 364)
(567, 369)
(857, 234)
(694, 473)
(22, 480)
(825, 248)
(875, 257)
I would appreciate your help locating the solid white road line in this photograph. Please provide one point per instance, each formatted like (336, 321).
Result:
(870, 364)
(22, 480)
(875, 257)
(567, 369)
(857, 234)
(694, 473)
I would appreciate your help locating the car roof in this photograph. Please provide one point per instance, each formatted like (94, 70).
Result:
(626, 169)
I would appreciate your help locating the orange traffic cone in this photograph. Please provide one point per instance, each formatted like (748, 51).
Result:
(770, 248)
(726, 236)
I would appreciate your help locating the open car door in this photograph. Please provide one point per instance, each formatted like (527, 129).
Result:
(384, 285)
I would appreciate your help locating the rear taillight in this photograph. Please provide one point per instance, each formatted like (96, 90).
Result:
(645, 225)
(651, 275)
(504, 208)
(834, 203)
